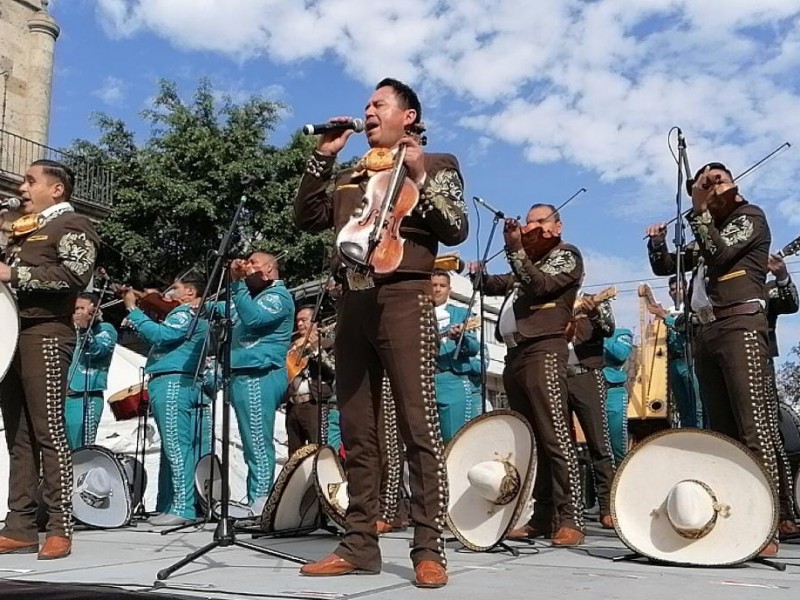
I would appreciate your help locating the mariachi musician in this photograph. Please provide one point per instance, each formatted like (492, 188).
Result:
(593, 322)
(617, 349)
(312, 384)
(88, 373)
(385, 320)
(48, 261)
(540, 299)
(727, 296)
(174, 365)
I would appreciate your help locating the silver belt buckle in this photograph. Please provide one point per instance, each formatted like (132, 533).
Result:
(358, 281)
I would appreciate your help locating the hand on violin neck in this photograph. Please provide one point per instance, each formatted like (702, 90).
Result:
(414, 160)
(331, 143)
(129, 298)
(238, 269)
(512, 234)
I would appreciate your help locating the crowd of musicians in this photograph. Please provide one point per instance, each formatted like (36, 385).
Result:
(395, 327)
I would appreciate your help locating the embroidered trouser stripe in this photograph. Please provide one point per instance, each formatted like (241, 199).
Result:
(32, 400)
(617, 413)
(175, 402)
(687, 401)
(390, 328)
(391, 451)
(81, 425)
(535, 380)
(731, 358)
(454, 401)
(785, 479)
(255, 398)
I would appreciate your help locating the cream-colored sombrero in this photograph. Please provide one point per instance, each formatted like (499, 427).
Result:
(693, 497)
(331, 482)
(490, 468)
(292, 504)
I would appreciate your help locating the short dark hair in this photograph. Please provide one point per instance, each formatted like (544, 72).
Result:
(407, 96)
(60, 171)
(194, 280)
(305, 307)
(551, 207)
(93, 298)
(440, 273)
(673, 280)
(712, 165)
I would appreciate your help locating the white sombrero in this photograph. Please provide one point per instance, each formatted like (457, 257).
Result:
(331, 482)
(9, 317)
(693, 497)
(490, 468)
(208, 479)
(101, 495)
(292, 504)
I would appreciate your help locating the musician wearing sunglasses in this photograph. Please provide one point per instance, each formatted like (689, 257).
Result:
(454, 398)
(88, 373)
(593, 323)
(540, 298)
(385, 319)
(263, 315)
(48, 262)
(174, 387)
(727, 295)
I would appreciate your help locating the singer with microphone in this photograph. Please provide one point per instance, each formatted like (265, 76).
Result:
(48, 262)
(387, 323)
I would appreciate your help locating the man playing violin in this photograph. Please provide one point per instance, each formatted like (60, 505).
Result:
(540, 298)
(305, 392)
(174, 365)
(263, 313)
(454, 391)
(49, 260)
(386, 323)
(586, 387)
(727, 297)
(88, 373)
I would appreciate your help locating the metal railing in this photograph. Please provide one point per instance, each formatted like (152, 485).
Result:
(94, 184)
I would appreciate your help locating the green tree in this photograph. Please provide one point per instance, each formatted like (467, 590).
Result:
(176, 192)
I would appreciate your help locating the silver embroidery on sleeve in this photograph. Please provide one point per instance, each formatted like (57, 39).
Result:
(559, 261)
(77, 252)
(444, 193)
(699, 224)
(737, 231)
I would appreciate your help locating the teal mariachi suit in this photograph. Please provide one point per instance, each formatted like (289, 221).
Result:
(175, 399)
(681, 376)
(454, 390)
(262, 333)
(88, 372)
(616, 350)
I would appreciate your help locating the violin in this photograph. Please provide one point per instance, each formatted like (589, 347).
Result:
(370, 241)
(153, 304)
(537, 242)
(300, 352)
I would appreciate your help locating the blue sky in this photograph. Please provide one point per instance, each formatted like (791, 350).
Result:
(536, 99)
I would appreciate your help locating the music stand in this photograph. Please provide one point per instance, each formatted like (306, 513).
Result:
(225, 533)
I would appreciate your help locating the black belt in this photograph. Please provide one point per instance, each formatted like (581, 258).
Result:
(615, 385)
(744, 308)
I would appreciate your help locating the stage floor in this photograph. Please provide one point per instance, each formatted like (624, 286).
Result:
(130, 558)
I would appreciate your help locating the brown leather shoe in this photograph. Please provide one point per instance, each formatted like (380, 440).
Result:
(330, 566)
(568, 536)
(383, 527)
(430, 574)
(9, 546)
(788, 527)
(606, 522)
(770, 550)
(55, 547)
(526, 532)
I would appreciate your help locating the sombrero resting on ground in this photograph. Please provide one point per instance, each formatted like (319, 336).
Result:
(693, 497)
(101, 495)
(490, 468)
(331, 483)
(292, 504)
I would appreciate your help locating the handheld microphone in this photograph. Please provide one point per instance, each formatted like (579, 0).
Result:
(10, 204)
(356, 125)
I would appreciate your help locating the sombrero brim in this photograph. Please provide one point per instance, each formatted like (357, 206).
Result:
(329, 475)
(292, 504)
(9, 316)
(202, 474)
(117, 510)
(736, 477)
(475, 521)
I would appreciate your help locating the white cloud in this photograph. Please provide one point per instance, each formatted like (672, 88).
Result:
(112, 92)
(597, 84)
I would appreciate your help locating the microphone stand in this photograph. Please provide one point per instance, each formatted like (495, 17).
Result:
(478, 290)
(225, 533)
(680, 261)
